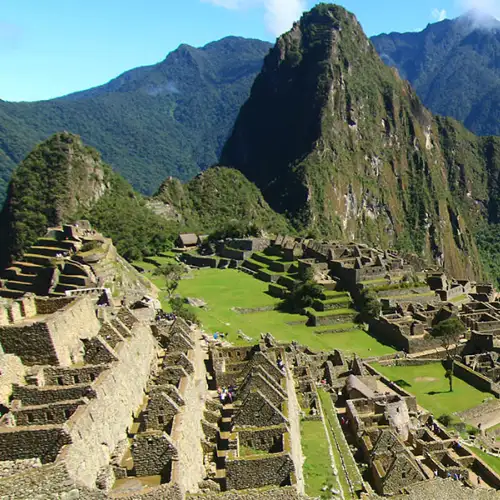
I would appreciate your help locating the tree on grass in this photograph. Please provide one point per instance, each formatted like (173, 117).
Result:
(449, 331)
(302, 294)
(172, 272)
(180, 308)
(369, 305)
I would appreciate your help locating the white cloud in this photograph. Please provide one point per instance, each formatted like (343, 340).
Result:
(439, 14)
(490, 7)
(279, 14)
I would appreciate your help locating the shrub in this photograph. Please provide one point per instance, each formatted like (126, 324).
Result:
(179, 308)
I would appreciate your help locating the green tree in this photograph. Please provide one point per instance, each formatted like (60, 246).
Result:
(172, 273)
(302, 295)
(369, 305)
(449, 331)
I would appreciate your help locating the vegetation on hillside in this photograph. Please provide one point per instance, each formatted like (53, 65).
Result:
(167, 119)
(223, 202)
(453, 66)
(63, 180)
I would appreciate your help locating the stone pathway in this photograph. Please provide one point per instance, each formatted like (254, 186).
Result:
(190, 464)
(294, 421)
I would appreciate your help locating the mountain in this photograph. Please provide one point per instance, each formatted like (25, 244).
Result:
(335, 139)
(63, 180)
(214, 198)
(454, 66)
(171, 118)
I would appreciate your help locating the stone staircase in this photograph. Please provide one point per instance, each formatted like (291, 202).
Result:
(47, 267)
(225, 444)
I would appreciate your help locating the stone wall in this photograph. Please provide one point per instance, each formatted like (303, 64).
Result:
(50, 342)
(153, 453)
(269, 440)
(257, 411)
(33, 396)
(99, 426)
(73, 376)
(31, 342)
(258, 472)
(11, 467)
(475, 379)
(12, 372)
(56, 413)
(286, 493)
(84, 324)
(21, 443)
(50, 306)
(50, 482)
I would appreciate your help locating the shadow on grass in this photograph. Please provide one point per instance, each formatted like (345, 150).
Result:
(435, 393)
(402, 383)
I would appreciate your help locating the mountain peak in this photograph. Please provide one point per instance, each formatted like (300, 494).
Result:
(335, 139)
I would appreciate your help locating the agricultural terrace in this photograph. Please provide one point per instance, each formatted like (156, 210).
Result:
(429, 385)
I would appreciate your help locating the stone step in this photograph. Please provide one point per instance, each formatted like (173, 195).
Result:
(61, 244)
(41, 260)
(222, 454)
(10, 294)
(19, 285)
(220, 474)
(47, 251)
(81, 281)
(27, 267)
(25, 278)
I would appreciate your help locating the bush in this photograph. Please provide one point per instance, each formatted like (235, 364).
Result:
(179, 308)
(302, 295)
(369, 305)
(235, 229)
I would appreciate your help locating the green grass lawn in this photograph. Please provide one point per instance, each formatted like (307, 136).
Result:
(223, 290)
(493, 462)
(431, 388)
(317, 465)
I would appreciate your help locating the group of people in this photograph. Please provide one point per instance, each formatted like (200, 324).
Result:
(226, 395)
(220, 335)
(163, 315)
(281, 365)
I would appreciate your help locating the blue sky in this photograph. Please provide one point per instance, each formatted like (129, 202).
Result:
(50, 48)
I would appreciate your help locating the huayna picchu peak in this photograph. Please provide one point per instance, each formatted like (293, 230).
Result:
(338, 141)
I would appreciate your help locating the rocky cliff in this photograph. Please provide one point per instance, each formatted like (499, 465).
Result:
(334, 138)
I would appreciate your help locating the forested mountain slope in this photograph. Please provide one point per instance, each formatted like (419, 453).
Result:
(454, 66)
(171, 118)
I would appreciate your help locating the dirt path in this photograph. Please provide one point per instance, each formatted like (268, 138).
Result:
(294, 421)
(190, 465)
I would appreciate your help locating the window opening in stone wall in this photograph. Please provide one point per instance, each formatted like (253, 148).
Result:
(31, 418)
(60, 381)
(76, 379)
(161, 419)
(92, 377)
(50, 416)
(67, 413)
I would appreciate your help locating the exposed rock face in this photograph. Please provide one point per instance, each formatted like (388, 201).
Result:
(337, 140)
